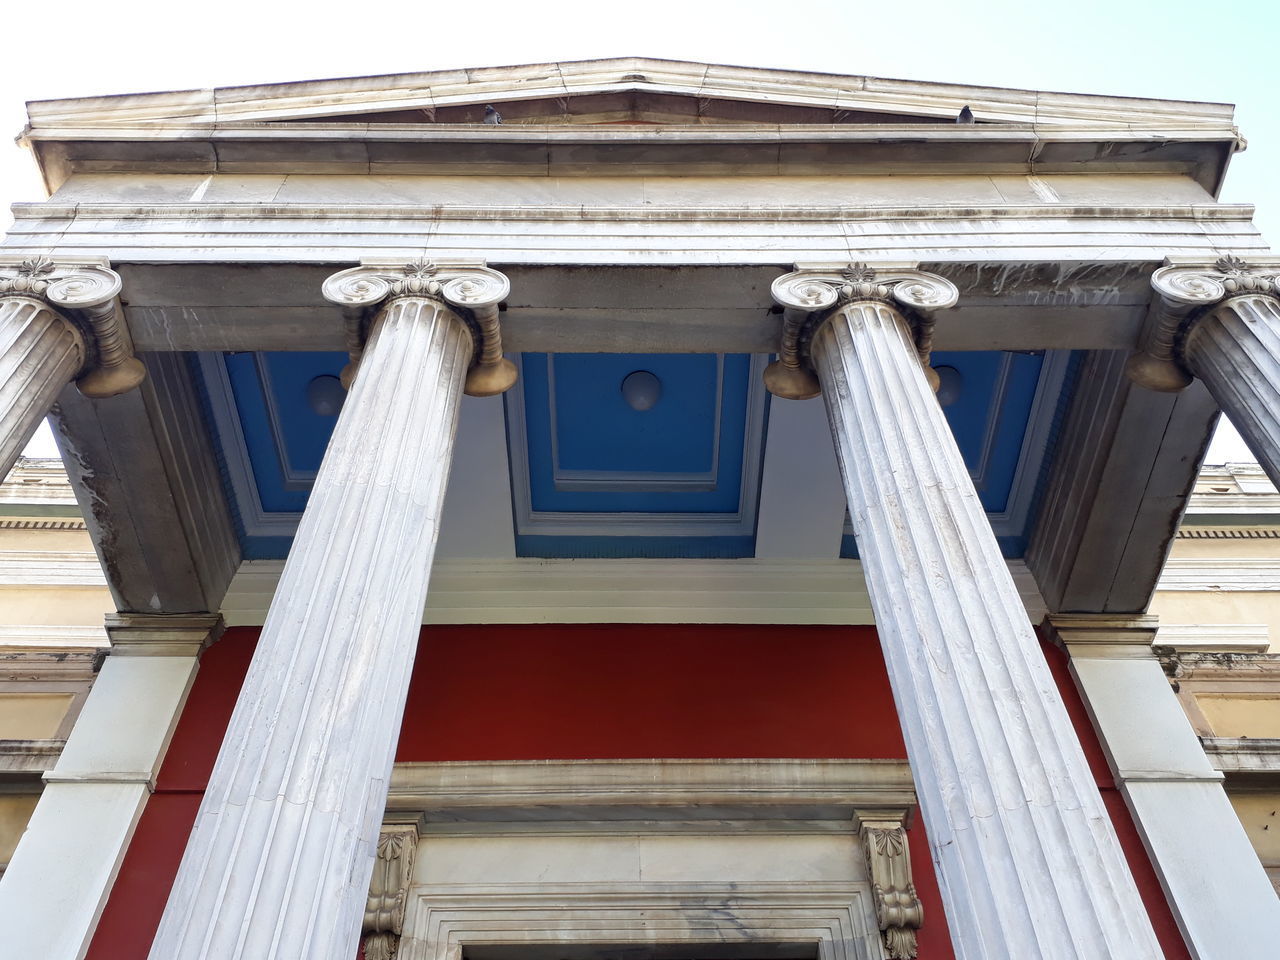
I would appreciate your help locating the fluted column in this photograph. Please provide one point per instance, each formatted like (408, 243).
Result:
(57, 322)
(1028, 863)
(40, 352)
(279, 863)
(1220, 323)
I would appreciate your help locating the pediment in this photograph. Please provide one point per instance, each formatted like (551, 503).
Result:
(618, 91)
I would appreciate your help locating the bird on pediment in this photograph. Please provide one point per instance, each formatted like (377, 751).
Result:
(491, 116)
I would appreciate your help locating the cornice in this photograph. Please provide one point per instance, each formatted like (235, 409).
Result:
(1199, 151)
(440, 88)
(576, 212)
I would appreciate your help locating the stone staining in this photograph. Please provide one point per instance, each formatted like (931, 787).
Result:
(996, 762)
(302, 778)
(1220, 323)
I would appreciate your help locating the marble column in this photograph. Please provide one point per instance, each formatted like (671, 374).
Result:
(58, 322)
(279, 862)
(1222, 325)
(1028, 862)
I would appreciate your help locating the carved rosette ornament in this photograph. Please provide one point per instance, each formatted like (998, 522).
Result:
(899, 911)
(85, 296)
(810, 296)
(1187, 295)
(469, 289)
(389, 892)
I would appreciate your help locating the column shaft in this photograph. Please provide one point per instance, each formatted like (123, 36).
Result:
(1028, 862)
(279, 862)
(1235, 350)
(40, 352)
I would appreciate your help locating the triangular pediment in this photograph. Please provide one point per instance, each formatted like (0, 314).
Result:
(618, 91)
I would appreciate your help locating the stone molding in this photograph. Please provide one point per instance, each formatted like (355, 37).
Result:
(442, 796)
(813, 293)
(1104, 636)
(1238, 757)
(1234, 666)
(166, 635)
(597, 801)
(1215, 637)
(1234, 574)
(1186, 292)
(85, 294)
(389, 892)
(468, 288)
(34, 568)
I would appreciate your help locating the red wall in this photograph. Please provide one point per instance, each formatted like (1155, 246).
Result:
(590, 692)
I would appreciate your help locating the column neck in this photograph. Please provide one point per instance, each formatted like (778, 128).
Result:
(812, 296)
(470, 291)
(85, 296)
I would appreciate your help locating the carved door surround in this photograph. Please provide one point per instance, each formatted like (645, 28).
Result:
(578, 858)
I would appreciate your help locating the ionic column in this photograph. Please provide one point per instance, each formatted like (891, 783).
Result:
(279, 862)
(57, 322)
(1028, 863)
(1220, 323)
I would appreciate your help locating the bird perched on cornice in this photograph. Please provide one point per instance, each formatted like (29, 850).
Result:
(966, 115)
(491, 116)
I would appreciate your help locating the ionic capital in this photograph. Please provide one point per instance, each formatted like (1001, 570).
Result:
(1186, 292)
(812, 293)
(86, 294)
(469, 288)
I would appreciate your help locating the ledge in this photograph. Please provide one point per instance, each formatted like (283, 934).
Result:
(1236, 756)
(646, 790)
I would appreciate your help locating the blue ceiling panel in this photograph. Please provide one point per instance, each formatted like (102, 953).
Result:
(989, 415)
(590, 452)
(284, 436)
(593, 476)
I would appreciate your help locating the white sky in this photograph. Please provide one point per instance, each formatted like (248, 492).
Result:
(1179, 49)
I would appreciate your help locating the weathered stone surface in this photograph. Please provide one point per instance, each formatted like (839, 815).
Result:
(302, 778)
(998, 768)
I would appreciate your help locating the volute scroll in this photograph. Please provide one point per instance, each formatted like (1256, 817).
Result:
(810, 295)
(471, 289)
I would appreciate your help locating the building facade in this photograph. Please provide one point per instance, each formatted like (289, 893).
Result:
(793, 462)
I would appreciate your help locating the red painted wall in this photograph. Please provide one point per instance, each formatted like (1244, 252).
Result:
(589, 692)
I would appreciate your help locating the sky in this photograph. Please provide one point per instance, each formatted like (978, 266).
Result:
(1222, 52)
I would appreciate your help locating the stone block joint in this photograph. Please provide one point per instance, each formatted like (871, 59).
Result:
(812, 295)
(470, 290)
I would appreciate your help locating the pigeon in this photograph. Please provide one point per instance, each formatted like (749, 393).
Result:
(966, 115)
(492, 116)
